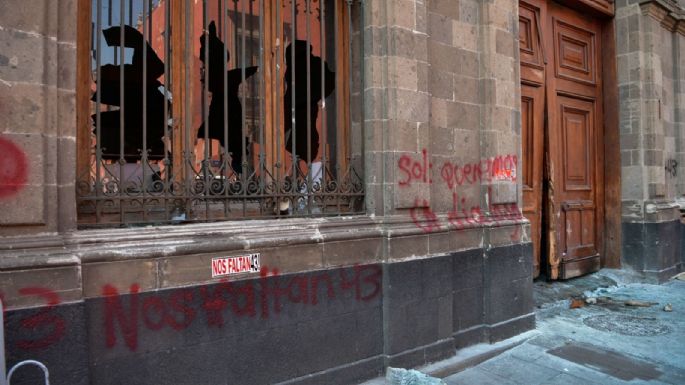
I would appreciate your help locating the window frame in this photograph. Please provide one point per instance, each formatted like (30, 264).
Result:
(182, 13)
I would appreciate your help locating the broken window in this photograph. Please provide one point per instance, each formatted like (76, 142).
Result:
(219, 109)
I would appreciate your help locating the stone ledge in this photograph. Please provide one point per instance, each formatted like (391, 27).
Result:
(653, 211)
(161, 241)
(177, 256)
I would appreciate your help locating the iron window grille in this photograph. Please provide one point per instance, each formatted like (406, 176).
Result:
(203, 111)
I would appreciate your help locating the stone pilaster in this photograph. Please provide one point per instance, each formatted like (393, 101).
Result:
(649, 77)
(38, 119)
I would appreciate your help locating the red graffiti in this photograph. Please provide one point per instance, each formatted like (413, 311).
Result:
(423, 217)
(238, 298)
(419, 171)
(463, 215)
(179, 304)
(497, 215)
(114, 311)
(125, 316)
(45, 322)
(13, 168)
(502, 168)
(454, 175)
(499, 168)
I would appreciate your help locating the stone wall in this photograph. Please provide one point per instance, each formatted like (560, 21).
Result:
(442, 157)
(442, 78)
(650, 76)
(330, 326)
(37, 116)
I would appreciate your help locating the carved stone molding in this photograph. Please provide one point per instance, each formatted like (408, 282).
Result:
(667, 12)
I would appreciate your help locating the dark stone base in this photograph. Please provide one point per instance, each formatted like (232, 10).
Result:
(510, 328)
(475, 335)
(494, 333)
(653, 249)
(422, 355)
(348, 374)
(337, 326)
(56, 336)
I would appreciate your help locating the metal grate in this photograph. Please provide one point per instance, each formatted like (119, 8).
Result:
(225, 109)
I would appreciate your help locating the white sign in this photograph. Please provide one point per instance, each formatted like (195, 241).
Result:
(223, 266)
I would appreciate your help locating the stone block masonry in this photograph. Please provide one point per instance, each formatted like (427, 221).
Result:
(37, 116)
(650, 40)
(333, 326)
(442, 259)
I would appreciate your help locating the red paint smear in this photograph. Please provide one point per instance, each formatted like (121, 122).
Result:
(44, 323)
(13, 168)
(125, 316)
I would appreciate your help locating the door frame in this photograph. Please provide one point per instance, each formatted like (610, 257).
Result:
(612, 151)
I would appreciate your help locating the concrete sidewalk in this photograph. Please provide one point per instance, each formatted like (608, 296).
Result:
(606, 342)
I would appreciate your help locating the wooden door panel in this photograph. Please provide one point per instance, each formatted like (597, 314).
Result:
(577, 150)
(575, 53)
(529, 34)
(532, 131)
(574, 135)
(532, 115)
(578, 238)
(531, 50)
(527, 135)
(577, 134)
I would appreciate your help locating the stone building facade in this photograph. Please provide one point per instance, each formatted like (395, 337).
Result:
(650, 48)
(341, 298)
(442, 258)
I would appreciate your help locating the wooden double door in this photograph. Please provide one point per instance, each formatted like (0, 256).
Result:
(561, 113)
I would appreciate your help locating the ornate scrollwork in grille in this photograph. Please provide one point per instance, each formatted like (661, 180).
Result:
(249, 145)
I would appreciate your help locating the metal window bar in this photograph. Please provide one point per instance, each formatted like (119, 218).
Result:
(187, 153)
(225, 162)
(133, 182)
(276, 122)
(122, 78)
(262, 101)
(324, 132)
(338, 93)
(205, 80)
(144, 152)
(98, 112)
(293, 93)
(309, 111)
(163, 184)
(243, 128)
